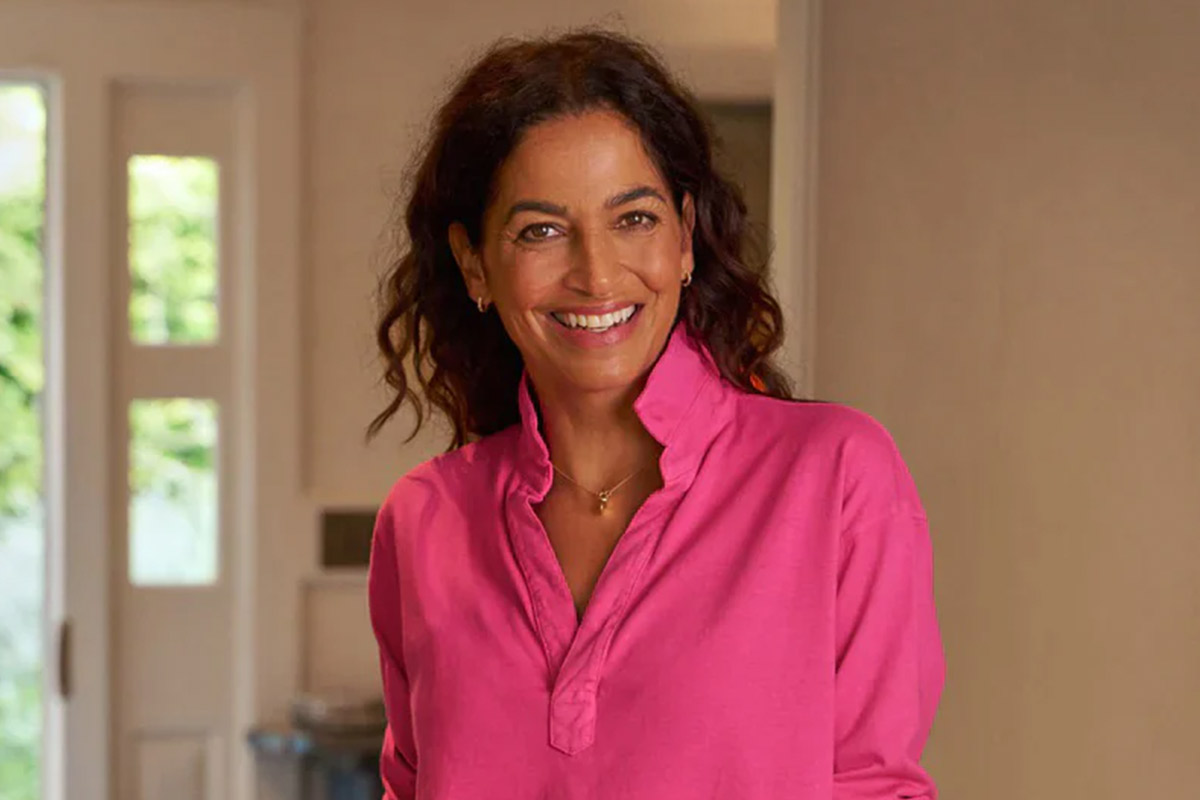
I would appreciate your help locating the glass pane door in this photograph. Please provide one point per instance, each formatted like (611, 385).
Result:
(22, 508)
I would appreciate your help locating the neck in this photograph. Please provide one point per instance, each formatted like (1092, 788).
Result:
(595, 437)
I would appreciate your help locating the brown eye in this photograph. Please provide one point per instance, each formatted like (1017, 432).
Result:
(537, 232)
(638, 219)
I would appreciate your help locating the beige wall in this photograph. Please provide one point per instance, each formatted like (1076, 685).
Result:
(1009, 277)
(373, 71)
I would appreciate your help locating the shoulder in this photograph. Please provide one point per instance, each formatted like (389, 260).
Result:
(445, 482)
(849, 445)
(814, 424)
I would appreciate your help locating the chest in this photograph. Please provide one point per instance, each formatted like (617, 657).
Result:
(583, 538)
(715, 625)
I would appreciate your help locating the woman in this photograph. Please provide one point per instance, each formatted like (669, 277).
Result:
(641, 570)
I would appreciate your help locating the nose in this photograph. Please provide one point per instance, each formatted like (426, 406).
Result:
(594, 264)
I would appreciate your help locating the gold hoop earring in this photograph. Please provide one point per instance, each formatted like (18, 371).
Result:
(481, 304)
(687, 279)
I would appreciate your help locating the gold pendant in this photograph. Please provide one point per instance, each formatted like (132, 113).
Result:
(603, 501)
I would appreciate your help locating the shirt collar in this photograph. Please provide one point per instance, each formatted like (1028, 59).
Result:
(684, 405)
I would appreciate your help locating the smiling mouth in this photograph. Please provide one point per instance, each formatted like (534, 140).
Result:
(597, 323)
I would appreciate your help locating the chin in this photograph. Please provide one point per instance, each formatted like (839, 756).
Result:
(602, 382)
(603, 374)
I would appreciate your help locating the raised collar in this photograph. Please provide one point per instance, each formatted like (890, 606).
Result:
(684, 405)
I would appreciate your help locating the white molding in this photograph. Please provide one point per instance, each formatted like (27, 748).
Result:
(794, 183)
(278, 549)
(76, 423)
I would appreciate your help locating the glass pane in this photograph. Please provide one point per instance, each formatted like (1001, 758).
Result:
(172, 492)
(172, 250)
(22, 567)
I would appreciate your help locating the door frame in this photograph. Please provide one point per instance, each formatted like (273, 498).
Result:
(794, 182)
(77, 51)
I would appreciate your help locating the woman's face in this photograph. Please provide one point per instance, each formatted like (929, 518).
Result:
(582, 253)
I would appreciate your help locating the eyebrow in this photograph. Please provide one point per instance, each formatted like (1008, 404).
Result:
(636, 193)
(545, 207)
(534, 205)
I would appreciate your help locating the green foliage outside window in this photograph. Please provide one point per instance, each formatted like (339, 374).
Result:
(172, 243)
(22, 192)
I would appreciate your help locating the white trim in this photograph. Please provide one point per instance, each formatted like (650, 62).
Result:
(80, 401)
(270, 384)
(794, 183)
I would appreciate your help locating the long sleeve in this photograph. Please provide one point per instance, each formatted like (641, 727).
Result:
(397, 761)
(890, 661)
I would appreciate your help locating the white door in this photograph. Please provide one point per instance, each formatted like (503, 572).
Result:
(171, 486)
(168, 406)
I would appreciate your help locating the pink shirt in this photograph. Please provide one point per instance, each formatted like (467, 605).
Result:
(764, 629)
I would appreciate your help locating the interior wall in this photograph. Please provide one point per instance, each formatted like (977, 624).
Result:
(374, 71)
(1009, 222)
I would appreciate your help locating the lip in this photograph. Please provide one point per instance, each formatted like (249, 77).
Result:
(587, 340)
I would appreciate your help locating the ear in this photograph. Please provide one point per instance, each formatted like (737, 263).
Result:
(469, 262)
(688, 214)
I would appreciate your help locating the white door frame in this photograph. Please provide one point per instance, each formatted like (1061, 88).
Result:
(78, 50)
(794, 182)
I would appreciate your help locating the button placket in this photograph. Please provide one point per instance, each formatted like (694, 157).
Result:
(573, 705)
(573, 718)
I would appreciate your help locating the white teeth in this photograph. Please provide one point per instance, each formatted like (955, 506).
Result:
(596, 323)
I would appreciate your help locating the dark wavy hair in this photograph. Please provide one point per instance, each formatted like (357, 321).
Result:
(463, 361)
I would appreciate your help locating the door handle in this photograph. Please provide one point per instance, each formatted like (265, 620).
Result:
(64, 659)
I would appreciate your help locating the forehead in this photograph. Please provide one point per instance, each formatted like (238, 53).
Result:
(582, 155)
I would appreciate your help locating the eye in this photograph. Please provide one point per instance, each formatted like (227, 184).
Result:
(537, 232)
(638, 219)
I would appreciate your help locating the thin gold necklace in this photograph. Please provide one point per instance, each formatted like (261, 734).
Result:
(604, 494)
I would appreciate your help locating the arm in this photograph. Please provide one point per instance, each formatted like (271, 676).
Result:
(397, 761)
(890, 662)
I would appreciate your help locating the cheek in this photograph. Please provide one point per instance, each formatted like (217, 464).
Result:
(528, 278)
(656, 260)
